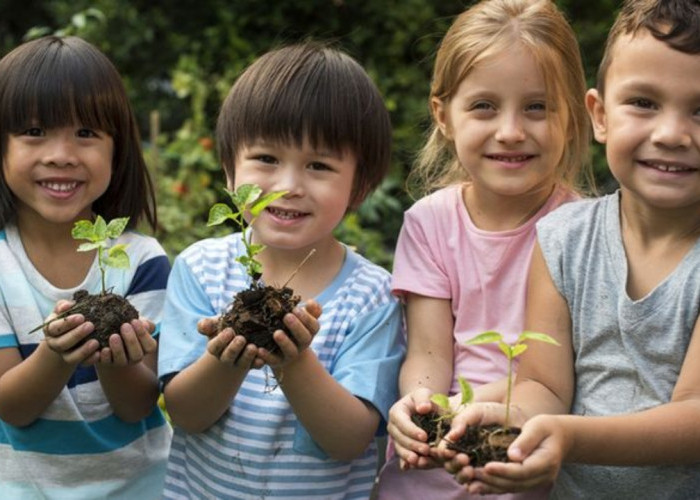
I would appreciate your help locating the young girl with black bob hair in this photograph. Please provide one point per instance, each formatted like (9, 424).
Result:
(75, 420)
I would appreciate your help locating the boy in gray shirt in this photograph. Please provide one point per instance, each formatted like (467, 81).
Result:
(616, 281)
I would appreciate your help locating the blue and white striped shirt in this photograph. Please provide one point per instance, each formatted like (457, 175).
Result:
(78, 448)
(258, 449)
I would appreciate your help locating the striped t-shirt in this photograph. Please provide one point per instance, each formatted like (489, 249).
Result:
(258, 449)
(78, 448)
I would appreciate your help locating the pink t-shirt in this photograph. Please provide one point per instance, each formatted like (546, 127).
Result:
(442, 254)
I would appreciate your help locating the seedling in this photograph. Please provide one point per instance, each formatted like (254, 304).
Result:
(247, 199)
(98, 234)
(107, 311)
(436, 424)
(511, 351)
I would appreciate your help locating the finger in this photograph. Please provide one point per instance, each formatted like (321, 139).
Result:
(59, 326)
(105, 356)
(218, 343)
(146, 343)
(288, 348)
(233, 350)
(88, 352)
(302, 332)
(313, 308)
(208, 326)
(117, 346)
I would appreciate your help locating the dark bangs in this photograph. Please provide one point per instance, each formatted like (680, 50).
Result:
(308, 91)
(55, 87)
(55, 82)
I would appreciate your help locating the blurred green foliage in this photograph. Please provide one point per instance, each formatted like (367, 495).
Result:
(179, 58)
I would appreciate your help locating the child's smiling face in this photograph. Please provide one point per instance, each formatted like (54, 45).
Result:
(56, 174)
(319, 185)
(649, 119)
(503, 127)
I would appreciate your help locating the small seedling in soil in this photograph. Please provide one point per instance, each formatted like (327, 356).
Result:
(489, 443)
(256, 312)
(437, 423)
(107, 311)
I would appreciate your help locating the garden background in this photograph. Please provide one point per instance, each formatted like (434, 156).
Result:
(178, 58)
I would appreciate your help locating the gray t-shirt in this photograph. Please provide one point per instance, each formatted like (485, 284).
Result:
(628, 354)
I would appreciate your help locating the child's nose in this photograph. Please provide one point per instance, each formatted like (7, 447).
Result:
(510, 128)
(290, 179)
(671, 131)
(60, 151)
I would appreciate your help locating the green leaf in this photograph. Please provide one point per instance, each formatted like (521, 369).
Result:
(86, 247)
(244, 260)
(485, 338)
(116, 227)
(542, 337)
(255, 248)
(83, 230)
(260, 204)
(517, 350)
(100, 228)
(219, 213)
(466, 390)
(117, 257)
(506, 349)
(251, 193)
(255, 267)
(441, 400)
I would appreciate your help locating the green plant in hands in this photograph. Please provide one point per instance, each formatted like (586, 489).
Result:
(511, 352)
(247, 198)
(97, 234)
(443, 400)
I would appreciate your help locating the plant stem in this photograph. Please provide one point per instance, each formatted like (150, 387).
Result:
(508, 389)
(102, 269)
(308, 256)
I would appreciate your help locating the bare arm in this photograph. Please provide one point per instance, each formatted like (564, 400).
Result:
(339, 422)
(28, 387)
(127, 371)
(427, 369)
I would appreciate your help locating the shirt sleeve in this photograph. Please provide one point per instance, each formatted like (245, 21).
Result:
(180, 343)
(418, 267)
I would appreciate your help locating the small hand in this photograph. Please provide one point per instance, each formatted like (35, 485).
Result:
(303, 324)
(535, 459)
(130, 346)
(410, 441)
(64, 334)
(233, 350)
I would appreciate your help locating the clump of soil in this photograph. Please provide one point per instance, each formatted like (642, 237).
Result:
(482, 444)
(257, 312)
(433, 424)
(106, 311)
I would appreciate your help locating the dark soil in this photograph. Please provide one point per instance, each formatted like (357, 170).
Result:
(257, 312)
(108, 312)
(483, 444)
(431, 423)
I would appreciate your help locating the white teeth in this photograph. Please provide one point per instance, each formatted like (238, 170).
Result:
(284, 214)
(514, 159)
(670, 168)
(60, 186)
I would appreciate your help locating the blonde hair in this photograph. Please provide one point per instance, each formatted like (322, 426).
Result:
(491, 27)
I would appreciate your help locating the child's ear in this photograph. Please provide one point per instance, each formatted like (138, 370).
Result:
(439, 109)
(596, 111)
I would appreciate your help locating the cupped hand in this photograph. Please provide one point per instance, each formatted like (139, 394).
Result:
(63, 334)
(410, 441)
(131, 345)
(303, 324)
